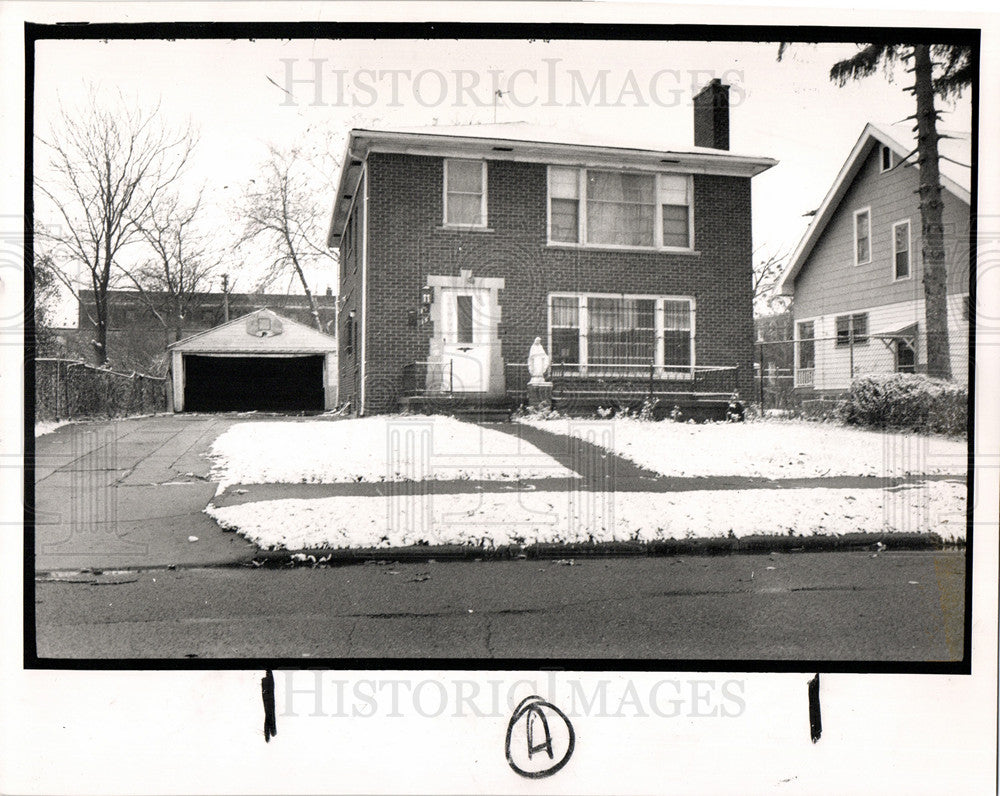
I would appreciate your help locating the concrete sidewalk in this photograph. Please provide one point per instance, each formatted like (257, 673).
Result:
(129, 493)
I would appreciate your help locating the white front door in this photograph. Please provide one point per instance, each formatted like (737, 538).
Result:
(467, 339)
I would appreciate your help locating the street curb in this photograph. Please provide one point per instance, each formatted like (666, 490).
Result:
(715, 546)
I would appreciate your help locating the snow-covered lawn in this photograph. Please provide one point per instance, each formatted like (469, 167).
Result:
(523, 517)
(382, 448)
(769, 449)
(48, 426)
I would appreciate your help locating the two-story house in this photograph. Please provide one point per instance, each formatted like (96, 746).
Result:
(461, 245)
(857, 275)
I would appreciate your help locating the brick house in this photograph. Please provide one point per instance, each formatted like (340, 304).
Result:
(460, 245)
(857, 275)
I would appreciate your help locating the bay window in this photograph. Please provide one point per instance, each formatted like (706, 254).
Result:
(608, 208)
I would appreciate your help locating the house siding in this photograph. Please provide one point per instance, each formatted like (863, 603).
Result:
(407, 244)
(833, 365)
(829, 282)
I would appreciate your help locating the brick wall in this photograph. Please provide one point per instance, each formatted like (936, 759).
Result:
(349, 345)
(406, 244)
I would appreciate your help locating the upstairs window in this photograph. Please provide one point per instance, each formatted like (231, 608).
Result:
(886, 155)
(675, 205)
(564, 205)
(620, 208)
(606, 208)
(465, 193)
(862, 236)
(901, 250)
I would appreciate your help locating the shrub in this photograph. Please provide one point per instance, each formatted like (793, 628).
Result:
(906, 401)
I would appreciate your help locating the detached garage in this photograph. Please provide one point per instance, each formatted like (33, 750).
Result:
(260, 361)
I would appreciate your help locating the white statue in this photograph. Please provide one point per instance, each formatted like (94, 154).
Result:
(538, 362)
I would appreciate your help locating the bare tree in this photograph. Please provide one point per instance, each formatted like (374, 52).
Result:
(766, 274)
(107, 167)
(180, 265)
(286, 211)
(940, 70)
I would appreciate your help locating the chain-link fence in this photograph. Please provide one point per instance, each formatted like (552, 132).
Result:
(69, 389)
(813, 372)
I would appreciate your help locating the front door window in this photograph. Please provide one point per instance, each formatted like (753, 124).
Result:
(467, 339)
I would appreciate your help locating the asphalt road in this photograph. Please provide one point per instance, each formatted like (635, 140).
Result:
(896, 606)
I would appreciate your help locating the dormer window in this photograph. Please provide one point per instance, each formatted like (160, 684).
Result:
(886, 155)
(464, 193)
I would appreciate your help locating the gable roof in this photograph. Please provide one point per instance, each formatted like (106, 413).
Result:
(234, 337)
(533, 143)
(870, 136)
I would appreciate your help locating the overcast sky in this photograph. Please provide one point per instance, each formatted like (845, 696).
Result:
(235, 92)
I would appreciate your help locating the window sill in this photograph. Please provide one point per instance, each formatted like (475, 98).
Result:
(463, 228)
(613, 248)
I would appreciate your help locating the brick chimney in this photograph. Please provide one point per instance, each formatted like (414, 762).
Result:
(711, 116)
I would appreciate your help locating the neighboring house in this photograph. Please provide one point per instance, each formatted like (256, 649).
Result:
(460, 245)
(137, 339)
(857, 275)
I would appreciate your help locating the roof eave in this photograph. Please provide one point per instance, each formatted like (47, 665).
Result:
(360, 142)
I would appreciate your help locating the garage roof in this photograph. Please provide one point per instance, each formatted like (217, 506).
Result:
(260, 332)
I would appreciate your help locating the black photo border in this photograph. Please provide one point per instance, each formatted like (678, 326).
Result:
(34, 32)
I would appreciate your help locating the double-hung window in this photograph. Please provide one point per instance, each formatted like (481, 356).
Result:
(805, 353)
(465, 193)
(565, 329)
(852, 329)
(901, 250)
(612, 208)
(564, 205)
(863, 236)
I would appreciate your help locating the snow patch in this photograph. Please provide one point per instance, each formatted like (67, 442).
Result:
(492, 519)
(381, 448)
(48, 426)
(766, 449)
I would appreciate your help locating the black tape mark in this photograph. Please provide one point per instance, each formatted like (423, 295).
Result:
(267, 694)
(815, 719)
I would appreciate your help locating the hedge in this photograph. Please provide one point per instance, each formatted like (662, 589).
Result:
(907, 401)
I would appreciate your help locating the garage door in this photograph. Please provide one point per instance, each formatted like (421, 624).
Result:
(242, 384)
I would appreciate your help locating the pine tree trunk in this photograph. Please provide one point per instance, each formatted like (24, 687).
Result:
(931, 217)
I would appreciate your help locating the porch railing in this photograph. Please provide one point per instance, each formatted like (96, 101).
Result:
(568, 379)
(425, 378)
(630, 379)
